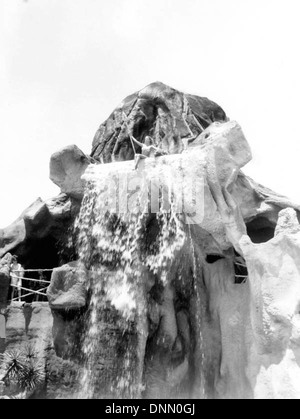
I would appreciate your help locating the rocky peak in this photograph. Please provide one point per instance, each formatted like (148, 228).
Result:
(164, 113)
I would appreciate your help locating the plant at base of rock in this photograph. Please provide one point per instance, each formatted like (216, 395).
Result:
(30, 352)
(23, 369)
(12, 365)
(32, 376)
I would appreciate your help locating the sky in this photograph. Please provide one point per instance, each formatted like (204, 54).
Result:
(66, 64)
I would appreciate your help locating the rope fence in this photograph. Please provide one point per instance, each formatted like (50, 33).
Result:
(33, 270)
(33, 279)
(40, 271)
(30, 293)
(27, 289)
(40, 292)
(240, 264)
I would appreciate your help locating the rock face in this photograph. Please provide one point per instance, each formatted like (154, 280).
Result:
(178, 279)
(274, 291)
(195, 333)
(68, 287)
(5, 263)
(39, 236)
(164, 113)
(66, 168)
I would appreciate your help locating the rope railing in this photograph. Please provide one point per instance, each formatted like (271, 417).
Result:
(27, 289)
(33, 270)
(41, 292)
(18, 275)
(240, 264)
(30, 293)
(33, 279)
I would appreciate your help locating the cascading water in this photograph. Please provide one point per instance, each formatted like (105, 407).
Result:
(199, 314)
(106, 244)
(130, 228)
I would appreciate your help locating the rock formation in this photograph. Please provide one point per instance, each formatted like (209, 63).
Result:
(157, 110)
(178, 279)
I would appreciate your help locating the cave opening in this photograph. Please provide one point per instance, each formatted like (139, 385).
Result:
(142, 128)
(35, 256)
(260, 230)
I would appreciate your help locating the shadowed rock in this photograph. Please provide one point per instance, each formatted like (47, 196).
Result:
(36, 235)
(68, 289)
(5, 264)
(166, 114)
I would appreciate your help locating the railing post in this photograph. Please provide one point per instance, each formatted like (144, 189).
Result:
(2, 332)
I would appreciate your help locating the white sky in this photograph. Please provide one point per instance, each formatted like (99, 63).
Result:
(66, 64)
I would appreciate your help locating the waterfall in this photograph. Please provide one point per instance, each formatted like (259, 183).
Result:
(115, 246)
(199, 314)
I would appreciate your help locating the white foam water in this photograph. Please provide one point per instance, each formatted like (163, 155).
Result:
(119, 208)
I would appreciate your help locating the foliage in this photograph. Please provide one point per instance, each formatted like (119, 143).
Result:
(23, 368)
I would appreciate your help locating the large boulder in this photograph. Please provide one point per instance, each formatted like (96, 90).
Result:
(66, 168)
(67, 296)
(12, 236)
(37, 220)
(68, 289)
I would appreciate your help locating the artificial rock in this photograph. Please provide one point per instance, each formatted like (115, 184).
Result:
(201, 303)
(68, 287)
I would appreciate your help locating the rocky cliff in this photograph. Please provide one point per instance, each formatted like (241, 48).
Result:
(179, 278)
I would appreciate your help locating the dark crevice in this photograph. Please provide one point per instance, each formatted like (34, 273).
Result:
(213, 258)
(260, 230)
